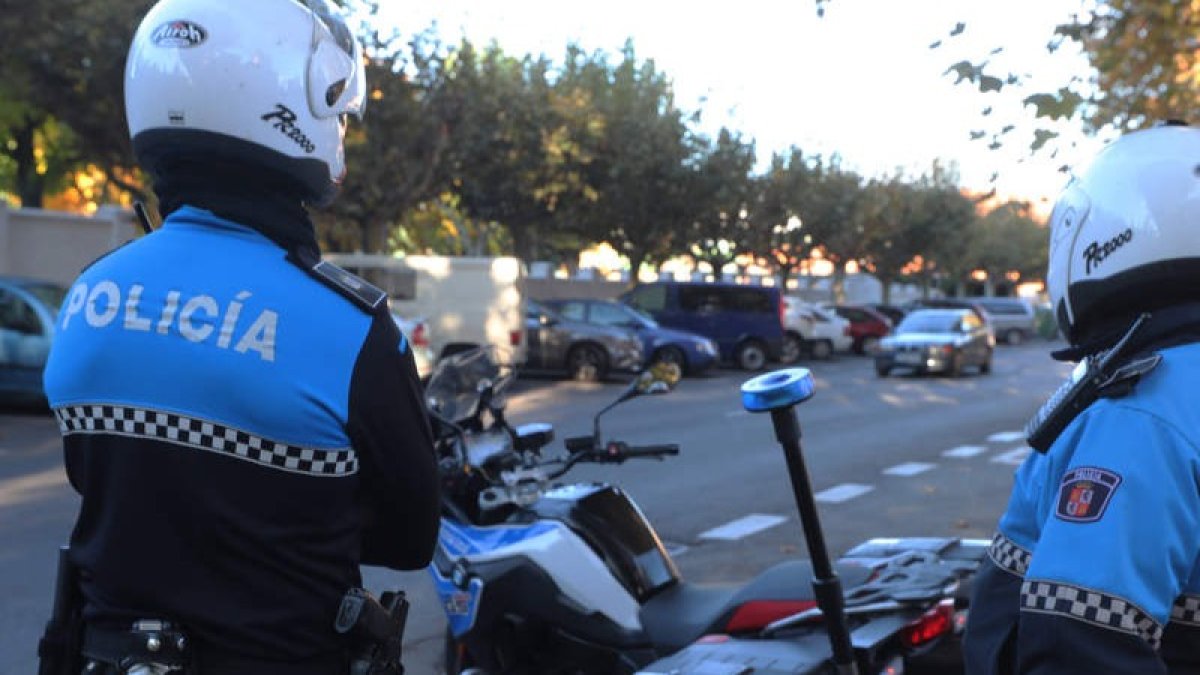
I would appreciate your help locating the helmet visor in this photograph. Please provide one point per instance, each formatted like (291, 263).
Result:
(337, 81)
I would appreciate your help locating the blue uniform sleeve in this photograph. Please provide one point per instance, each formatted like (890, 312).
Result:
(1118, 542)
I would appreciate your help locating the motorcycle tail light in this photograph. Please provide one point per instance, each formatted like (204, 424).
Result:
(932, 625)
(947, 349)
(514, 338)
(418, 337)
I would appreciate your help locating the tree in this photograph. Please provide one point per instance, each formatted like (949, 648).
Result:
(835, 213)
(61, 80)
(1009, 241)
(643, 169)
(1145, 69)
(396, 157)
(722, 229)
(778, 233)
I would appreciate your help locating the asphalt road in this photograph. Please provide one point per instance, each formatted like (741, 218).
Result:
(888, 457)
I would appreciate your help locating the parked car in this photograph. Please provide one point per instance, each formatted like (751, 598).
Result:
(585, 351)
(812, 331)
(416, 331)
(936, 340)
(894, 313)
(746, 322)
(959, 303)
(692, 353)
(1013, 319)
(867, 326)
(28, 308)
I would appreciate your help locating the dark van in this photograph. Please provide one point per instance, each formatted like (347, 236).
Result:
(745, 321)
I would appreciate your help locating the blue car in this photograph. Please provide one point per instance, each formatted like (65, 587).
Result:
(28, 308)
(693, 353)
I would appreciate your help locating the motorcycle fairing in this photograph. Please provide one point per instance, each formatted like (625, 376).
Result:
(461, 605)
(548, 545)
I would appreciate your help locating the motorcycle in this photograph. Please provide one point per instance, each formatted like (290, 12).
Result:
(538, 576)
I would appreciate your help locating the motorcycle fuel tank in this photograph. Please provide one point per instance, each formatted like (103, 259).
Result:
(612, 524)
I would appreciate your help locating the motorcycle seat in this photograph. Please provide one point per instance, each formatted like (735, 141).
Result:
(682, 613)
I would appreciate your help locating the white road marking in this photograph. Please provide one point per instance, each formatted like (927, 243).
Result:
(675, 550)
(743, 527)
(1014, 456)
(964, 451)
(1006, 437)
(909, 469)
(843, 492)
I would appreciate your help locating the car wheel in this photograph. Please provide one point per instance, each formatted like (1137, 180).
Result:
(870, 345)
(1013, 337)
(751, 355)
(586, 363)
(671, 355)
(822, 349)
(792, 347)
(882, 370)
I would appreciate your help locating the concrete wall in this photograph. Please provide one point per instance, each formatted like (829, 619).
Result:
(54, 245)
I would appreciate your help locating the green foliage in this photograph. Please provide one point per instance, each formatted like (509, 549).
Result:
(1145, 68)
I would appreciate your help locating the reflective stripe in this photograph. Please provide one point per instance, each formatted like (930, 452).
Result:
(1094, 607)
(201, 434)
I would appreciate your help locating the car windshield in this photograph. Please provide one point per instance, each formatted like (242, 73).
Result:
(50, 295)
(642, 317)
(920, 322)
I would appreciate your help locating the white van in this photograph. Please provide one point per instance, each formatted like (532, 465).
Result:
(813, 330)
(467, 301)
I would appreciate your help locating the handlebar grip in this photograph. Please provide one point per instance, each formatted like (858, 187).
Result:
(578, 443)
(627, 451)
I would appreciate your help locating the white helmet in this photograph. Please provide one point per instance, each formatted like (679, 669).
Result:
(267, 82)
(1125, 235)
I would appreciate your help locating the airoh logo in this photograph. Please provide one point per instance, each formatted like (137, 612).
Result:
(1096, 252)
(179, 33)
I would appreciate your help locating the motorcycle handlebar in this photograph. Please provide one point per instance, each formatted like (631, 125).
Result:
(619, 452)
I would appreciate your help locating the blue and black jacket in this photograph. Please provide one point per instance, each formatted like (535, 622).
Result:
(1096, 565)
(245, 430)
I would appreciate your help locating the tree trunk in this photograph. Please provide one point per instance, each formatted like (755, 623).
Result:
(30, 184)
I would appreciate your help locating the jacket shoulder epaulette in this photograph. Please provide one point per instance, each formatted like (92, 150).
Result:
(354, 288)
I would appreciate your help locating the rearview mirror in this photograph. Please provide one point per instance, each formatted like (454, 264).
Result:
(659, 378)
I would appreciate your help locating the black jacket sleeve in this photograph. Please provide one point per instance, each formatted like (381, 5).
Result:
(1051, 644)
(390, 431)
(990, 639)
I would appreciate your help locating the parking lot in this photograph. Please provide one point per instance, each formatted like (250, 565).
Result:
(903, 455)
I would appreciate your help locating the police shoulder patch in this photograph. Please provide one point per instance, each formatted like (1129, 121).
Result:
(1085, 493)
(363, 293)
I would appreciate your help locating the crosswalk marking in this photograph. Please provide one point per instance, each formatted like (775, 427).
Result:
(743, 527)
(844, 492)
(909, 469)
(1014, 456)
(1006, 437)
(964, 451)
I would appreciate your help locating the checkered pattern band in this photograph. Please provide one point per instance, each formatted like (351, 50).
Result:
(1187, 610)
(204, 435)
(1008, 556)
(1098, 609)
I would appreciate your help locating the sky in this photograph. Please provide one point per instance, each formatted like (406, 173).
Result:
(861, 82)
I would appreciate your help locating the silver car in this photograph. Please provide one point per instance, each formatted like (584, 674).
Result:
(585, 351)
(28, 308)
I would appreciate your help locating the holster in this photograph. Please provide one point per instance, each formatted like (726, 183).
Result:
(60, 649)
(376, 629)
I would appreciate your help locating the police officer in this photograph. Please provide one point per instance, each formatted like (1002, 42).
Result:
(1096, 565)
(243, 422)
